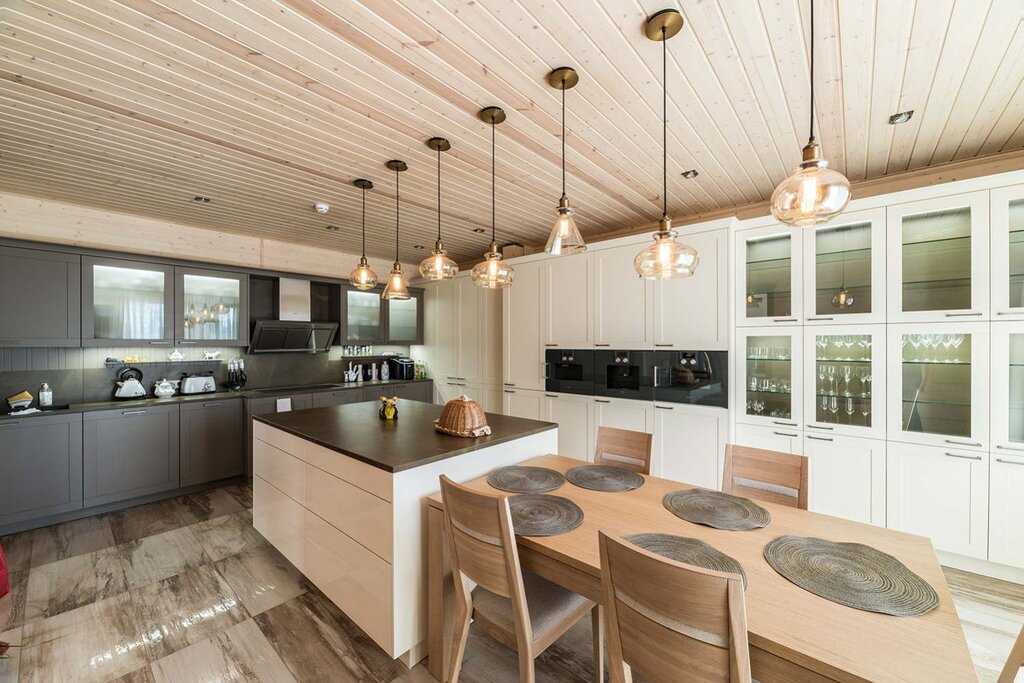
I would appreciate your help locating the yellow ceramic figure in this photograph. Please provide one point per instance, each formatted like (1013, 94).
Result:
(389, 408)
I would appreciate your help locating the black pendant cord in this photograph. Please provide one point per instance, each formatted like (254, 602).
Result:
(664, 123)
(563, 136)
(811, 139)
(494, 229)
(398, 221)
(438, 194)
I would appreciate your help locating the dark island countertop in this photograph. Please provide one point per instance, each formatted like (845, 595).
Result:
(410, 441)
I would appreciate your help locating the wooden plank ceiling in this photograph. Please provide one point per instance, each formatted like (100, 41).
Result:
(267, 106)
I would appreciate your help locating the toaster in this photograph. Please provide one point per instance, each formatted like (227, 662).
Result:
(198, 384)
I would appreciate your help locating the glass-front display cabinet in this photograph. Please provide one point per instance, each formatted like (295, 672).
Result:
(1008, 388)
(405, 319)
(362, 315)
(938, 254)
(769, 388)
(939, 384)
(768, 276)
(1008, 253)
(844, 269)
(211, 306)
(126, 303)
(845, 366)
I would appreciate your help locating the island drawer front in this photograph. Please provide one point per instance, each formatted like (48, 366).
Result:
(288, 443)
(278, 518)
(367, 477)
(362, 516)
(281, 469)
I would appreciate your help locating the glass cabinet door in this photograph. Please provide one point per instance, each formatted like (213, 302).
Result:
(847, 372)
(769, 389)
(1008, 253)
(126, 302)
(938, 384)
(938, 257)
(1008, 388)
(844, 269)
(405, 318)
(768, 276)
(362, 316)
(211, 306)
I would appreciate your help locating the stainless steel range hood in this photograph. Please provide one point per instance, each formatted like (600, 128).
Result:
(292, 332)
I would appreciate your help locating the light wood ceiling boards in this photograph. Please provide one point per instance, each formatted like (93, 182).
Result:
(269, 105)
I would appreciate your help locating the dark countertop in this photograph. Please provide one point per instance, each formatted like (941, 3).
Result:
(356, 430)
(215, 396)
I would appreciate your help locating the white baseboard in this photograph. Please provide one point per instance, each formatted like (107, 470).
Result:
(983, 567)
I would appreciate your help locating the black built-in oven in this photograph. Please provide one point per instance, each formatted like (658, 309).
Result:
(569, 371)
(624, 374)
(696, 377)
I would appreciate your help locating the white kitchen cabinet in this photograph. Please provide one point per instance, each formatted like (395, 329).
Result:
(689, 443)
(567, 302)
(940, 493)
(523, 403)
(462, 340)
(846, 477)
(623, 413)
(574, 416)
(769, 377)
(938, 379)
(938, 257)
(843, 269)
(844, 380)
(470, 330)
(1007, 394)
(1007, 258)
(487, 395)
(440, 321)
(623, 302)
(1006, 510)
(522, 346)
(693, 312)
(769, 288)
(782, 439)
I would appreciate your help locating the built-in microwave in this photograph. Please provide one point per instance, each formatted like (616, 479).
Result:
(695, 377)
(569, 371)
(624, 374)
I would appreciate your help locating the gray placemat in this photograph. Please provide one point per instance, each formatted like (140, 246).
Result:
(520, 479)
(717, 509)
(688, 551)
(851, 574)
(607, 478)
(538, 514)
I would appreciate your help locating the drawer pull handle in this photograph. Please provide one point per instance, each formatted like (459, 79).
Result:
(133, 412)
(963, 315)
(9, 424)
(953, 442)
(602, 345)
(664, 345)
(10, 341)
(551, 395)
(664, 407)
(510, 391)
(183, 342)
(820, 438)
(814, 426)
(784, 320)
(963, 457)
(218, 404)
(159, 343)
(601, 400)
(509, 384)
(783, 423)
(822, 317)
(1009, 462)
(1009, 448)
(792, 436)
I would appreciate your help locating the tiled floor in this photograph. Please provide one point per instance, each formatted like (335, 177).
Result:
(186, 590)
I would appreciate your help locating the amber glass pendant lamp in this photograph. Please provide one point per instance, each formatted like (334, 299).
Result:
(396, 288)
(493, 272)
(363, 276)
(438, 266)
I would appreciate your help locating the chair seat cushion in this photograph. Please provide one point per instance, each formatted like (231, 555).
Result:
(552, 608)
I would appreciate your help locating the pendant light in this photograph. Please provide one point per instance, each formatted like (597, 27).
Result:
(493, 272)
(666, 258)
(843, 298)
(814, 193)
(363, 276)
(565, 236)
(396, 287)
(438, 266)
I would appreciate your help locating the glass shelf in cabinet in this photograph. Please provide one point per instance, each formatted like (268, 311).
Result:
(856, 397)
(929, 402)
(844, 252)
(939, 240)
(843, 360)
(780, 360)
(936, 362)
(769, 391)
(778, 259)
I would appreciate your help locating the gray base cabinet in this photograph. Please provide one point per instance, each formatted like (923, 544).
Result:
(413, 391)
(211, 438)
(129, 452)
(336, 398)
(40, 467)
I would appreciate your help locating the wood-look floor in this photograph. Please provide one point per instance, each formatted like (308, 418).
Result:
(186, 590)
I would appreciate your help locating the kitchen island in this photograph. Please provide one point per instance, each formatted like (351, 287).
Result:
(342, 494)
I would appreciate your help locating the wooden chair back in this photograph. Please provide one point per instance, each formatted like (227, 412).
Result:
(670, 621)
(625, 448)
(772, 476)
(1015, 661)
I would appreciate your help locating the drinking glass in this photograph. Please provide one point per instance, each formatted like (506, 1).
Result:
(833, 407)
(958, 339)
(865, 410)
(849, 410)
(847, 373)
(831, 378)
(821, 377)
(824, 408)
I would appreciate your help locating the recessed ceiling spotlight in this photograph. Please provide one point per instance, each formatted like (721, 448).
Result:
(322, 207)
(691, 174)
(901, 117)
(201, 199)
(479, 231)
(332, 228)
(417, 246)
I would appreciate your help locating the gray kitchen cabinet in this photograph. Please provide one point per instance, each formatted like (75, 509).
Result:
(129, 452)
(267, 406)
(403, 319)
(40, 466)
(416, 391)
(211, 307)
(42, 303)
(211, 435)
(126, 303)
(336, 398)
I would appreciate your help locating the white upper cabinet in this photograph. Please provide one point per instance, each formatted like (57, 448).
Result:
(623, 302)
(462, 339)
(693, 312)
(769, 377)
(938, 254)
(845, 364)
(1008, 253)
(768, 282)
(567, 305)
(844, 269)
(1008, 388)
(523, 348)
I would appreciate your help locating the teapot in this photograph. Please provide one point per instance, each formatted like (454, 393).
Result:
(163, 388)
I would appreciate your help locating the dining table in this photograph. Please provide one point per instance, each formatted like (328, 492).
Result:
(794, 635)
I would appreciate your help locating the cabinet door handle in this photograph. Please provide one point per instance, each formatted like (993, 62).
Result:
(822, 317)
(183, 342)
(13, 342)
(551, 395)
(1009, 462)
(133, 412)
(785, 434)
(784, 320)
(510, 391)
(547, 370)
(5, 423)
(661, 346)
(814, 426)
(655, 376)
(218, 404)
(1009, 448)
(601, 400)
(551, 345)
(159, 343)
(783, 423)
(664, 407)
(953, 442)
(963, 457)
(602, 345)
(1009, 312)
(509, 384)
(970, 314)
(820, 438)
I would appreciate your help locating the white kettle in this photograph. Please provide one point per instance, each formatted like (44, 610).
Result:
(129, 384)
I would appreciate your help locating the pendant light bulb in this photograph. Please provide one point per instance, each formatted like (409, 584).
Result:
(363, 277)
(438, 266)
(396, 288)
(493, 272)
(565, 236)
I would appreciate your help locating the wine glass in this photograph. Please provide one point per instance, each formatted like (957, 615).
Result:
(865, 410)
(824, 409)
(821, 377)
(849, 410)
(833, 407)
(847, 373)
(831, 370)
(958, 339)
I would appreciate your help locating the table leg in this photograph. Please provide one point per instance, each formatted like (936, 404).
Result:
(440, 597)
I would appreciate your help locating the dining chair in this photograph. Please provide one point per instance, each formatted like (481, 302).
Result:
(766, 475)
(518, 609)
(669, 621)
(625, 448)
(1014, 662)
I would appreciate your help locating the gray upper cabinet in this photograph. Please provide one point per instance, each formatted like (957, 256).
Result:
(126, 303)
(41, 305)
(211, 306)
(41, 466)
(129, 452)
(211, 441)
(403, 319)
(362, 316)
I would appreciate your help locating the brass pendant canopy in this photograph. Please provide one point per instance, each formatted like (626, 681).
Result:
(664, 24)
(493, 272)
(565, 237)
(438, 266)
(363, 276)
(396, 287)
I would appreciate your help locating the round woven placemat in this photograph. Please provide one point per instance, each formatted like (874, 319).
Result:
(717, 509)
(689, 551)
(851, 574)
(519, 479)
(607, 478)
(538, 514)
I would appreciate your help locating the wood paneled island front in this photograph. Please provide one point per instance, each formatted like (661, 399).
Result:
(341, 493)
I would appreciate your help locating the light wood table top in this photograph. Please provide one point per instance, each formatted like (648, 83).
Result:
(784, 620)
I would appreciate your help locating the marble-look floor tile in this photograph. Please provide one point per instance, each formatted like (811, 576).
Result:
(242, 493)
(69, 539)
(9, 666)
(12, 605)
(262, 578)
(227, 535)
(204, 505)
(141, 521)
(239, 653)
(17, 550)
(67, 584)
(184, 609)
(158, 557)
(318, 642)
(97, 642)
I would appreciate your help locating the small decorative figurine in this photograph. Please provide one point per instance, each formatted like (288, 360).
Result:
(389, 408)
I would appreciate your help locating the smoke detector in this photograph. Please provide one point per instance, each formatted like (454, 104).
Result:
(322, 207)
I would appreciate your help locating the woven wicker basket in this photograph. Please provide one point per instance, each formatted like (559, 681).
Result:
(462, 416)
